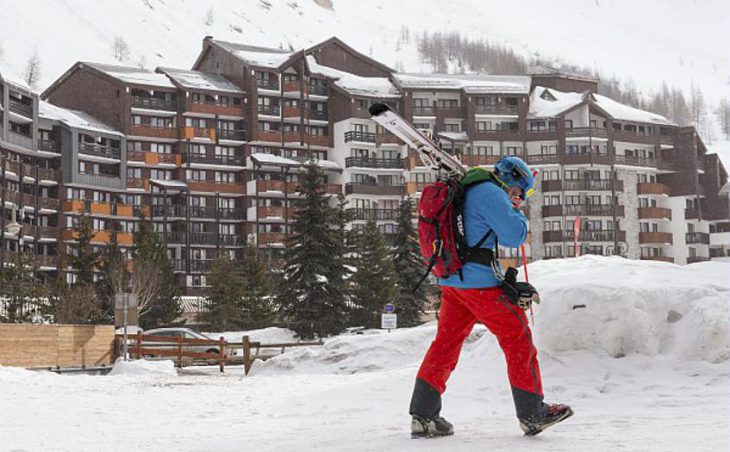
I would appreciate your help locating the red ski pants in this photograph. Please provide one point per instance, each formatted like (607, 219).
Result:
(460, 310)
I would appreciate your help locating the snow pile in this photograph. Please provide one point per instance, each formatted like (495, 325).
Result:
(620, 307)
(604, 305)
(271, 335)
(143, 368)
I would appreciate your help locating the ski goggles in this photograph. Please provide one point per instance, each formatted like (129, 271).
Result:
(522, 178)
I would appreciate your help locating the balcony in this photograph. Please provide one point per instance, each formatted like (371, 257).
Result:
(544, 159)
(633, 137)
(652, 189)
(21, 108)
(594, 210)
(48, 146)
(234, 135)
(194, 265)
(318, 90)
(317, 140)
(605, 235)
(552, 185)
(496, 109)
(659, 213)
(374, 214)
(100, 151)
(663, 238)
(695, 259)
(213, 108)
(228, 213)
(148, 130)
(363, 137)
(169, 211)
(593, 184)
(268, 84)
(232, 160)
(153, 103)
(270, 110)
(586, 132)
(367, 162)
(587, 158)
(691, 213)
(424, 111)
(271, 238)
(272, 136)
(217, 187)
(269, 212)
(658, 258)
(138, 183)
(365, 188)
(476, 160)
(197, 132)
(318, 115)
(701, 238)
(552, 211)
(636, 161)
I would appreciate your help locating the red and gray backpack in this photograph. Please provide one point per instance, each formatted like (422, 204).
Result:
(441, 233)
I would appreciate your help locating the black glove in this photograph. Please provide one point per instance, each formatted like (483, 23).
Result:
(522, 294)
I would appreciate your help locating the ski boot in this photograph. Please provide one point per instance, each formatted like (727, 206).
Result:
(549, 416)
(428, 428)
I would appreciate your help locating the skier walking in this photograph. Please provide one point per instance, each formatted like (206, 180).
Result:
(477, 294)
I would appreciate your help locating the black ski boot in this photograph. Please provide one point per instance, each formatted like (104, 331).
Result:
(425, 408)
(549, 416)
(428, 428)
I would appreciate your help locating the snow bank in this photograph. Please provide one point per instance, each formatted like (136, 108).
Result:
(604, 305)
(620, 307)
(265, 335)
(144, 368)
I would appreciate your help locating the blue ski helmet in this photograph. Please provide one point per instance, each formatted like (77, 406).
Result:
(514, 172)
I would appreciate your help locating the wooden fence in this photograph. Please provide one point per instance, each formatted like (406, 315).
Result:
(179, 348)
(31, 345)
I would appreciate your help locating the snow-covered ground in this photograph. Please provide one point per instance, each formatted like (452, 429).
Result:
(644, 363)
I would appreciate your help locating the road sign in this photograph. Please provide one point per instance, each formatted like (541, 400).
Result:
(389, 321)
(389, 307)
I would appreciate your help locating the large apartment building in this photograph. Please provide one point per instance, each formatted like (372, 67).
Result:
(212, 155)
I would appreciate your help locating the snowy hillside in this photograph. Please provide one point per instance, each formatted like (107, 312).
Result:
(675, 40)
(639, 349)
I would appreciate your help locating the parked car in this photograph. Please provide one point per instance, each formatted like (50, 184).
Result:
(174, 333)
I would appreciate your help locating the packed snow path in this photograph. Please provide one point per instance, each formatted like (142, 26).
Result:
(638, 378)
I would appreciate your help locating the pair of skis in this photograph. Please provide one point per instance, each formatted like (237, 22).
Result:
(429, 151)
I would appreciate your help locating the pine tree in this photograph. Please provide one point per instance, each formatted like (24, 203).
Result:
(374, 280)
(82, 256)
(408, 269)
(313, 300)
(258, 306)
(153, 279)
(22, 289)
(226, 295)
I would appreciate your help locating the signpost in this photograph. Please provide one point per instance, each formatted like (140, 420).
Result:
(388, 320)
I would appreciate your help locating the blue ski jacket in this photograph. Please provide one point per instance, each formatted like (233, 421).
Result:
(486, 207)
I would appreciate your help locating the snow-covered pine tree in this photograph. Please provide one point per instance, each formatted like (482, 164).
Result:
(408, 269)
(81, 255)
(226, 295)
(258, 306)
(313, 300)
(373, 284)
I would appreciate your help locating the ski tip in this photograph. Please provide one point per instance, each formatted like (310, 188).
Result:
(378, 108)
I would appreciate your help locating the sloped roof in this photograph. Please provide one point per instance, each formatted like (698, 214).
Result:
(626, 113)
(73, 118)
(133, 75)
(256, 56)
(473, 84)
(355, 84)
(548, 108)
(200, 80)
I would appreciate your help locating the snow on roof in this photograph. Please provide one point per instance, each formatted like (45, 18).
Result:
(12, 77)
(169, 183)
(454, 136)
(355, 84)
(326, 164)
(135, 75)
(200, 80)
(626, 113)
(273, 159)
(256, 56)
(475, 84)
(73, 118)
(542, 104)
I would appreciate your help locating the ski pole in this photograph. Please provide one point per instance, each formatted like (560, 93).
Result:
(527, 279)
